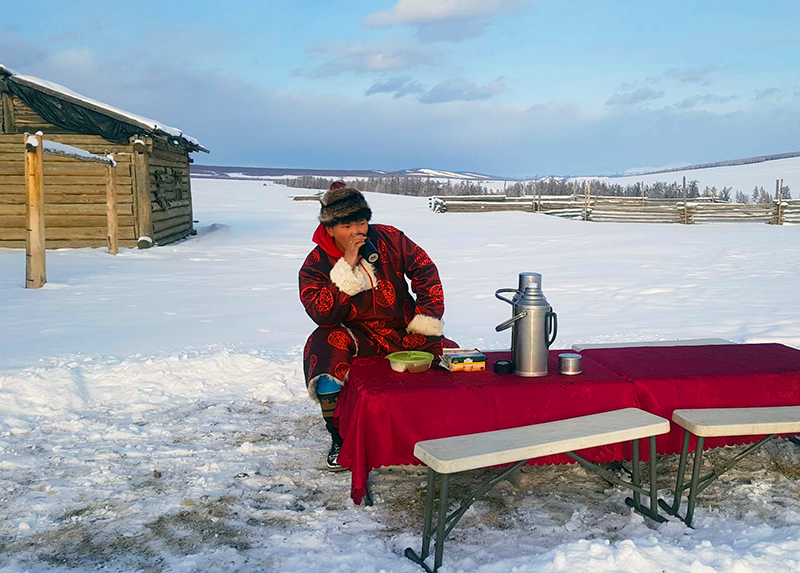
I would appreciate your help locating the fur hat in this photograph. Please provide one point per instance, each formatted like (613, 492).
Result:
(343, 205)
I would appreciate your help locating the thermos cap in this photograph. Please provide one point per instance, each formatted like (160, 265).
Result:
(502, 366)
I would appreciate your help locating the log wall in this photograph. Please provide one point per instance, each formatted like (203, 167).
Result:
(75, 194)
(170, 192)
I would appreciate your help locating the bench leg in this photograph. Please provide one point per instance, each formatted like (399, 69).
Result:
(676, 500)
(635, 479)
(653, 478)
(636, 482)
(698, 462)
(427, 528)
(441, 521)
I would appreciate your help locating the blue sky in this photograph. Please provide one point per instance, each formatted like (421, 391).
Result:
(506, 87)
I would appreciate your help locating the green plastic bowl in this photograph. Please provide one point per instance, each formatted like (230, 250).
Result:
(410, 361)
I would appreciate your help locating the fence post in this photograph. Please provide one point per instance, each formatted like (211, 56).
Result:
(111, 206)
(35, 274)
(643, 201)
(586, 201)
(685, 205)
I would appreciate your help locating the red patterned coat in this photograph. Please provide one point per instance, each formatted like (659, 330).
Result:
(368, 309)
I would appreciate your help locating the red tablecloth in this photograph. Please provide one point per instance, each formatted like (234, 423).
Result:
(726, 376)
(382, 414)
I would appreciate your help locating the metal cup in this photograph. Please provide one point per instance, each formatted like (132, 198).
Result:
(569, 364)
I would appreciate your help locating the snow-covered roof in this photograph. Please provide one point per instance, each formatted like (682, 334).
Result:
(57, 90)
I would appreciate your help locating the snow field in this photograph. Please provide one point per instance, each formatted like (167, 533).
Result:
(153, 415)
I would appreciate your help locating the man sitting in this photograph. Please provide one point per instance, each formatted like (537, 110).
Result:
(363, 309)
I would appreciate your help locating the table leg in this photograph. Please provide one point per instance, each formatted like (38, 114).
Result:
(367, 493)
(698, 462)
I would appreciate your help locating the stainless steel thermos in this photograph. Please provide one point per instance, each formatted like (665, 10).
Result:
(534, 323)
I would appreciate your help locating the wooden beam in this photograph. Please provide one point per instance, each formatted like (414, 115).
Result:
(192, 230)
(111, 212)
(35, 275)
(141, 191)
(8, 114)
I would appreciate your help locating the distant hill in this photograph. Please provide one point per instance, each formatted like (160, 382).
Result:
(234, 172)
(729, 163)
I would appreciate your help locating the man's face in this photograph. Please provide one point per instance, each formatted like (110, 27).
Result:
(343, 232)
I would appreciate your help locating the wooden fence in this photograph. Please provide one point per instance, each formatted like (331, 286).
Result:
(35, 148)
(589, 207)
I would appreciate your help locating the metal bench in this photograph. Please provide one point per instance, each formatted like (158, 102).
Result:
(516, 446)
(717, 422)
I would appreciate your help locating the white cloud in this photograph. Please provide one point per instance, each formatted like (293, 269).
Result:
(414, 12)
(693, 74)
(400, 87)
(360, 58)
(444, 20)
(704, 99)
(767, 93)
(78, 61)
(461, 90)
(639, 96)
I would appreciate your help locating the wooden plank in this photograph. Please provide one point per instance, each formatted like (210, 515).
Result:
(64, 233)
(49, 209)
(172, 222)
(66, 180)
(78, 168)
(78, 140)
(60, 199)
(173, 238)
(15, 155)
(172, 204)
(96, 149)
(186, 226)
(179, 162)
(160, 215)
(68, 244)
(8, 221)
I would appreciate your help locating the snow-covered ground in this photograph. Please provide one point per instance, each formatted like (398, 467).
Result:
(153, 415)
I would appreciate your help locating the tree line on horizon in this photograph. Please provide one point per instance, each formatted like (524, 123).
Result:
(428, 187)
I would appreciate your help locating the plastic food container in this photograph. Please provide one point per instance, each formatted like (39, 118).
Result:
(410, 360)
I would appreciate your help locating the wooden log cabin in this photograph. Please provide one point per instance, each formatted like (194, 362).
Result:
(154, 197)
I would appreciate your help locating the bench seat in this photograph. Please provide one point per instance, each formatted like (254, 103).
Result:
(445, 456)
(473, 451)
(716, 422)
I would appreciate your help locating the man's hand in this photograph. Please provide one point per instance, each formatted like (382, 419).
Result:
(351, 253)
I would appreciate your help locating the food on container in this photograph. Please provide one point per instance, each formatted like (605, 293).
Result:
(410, 361)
